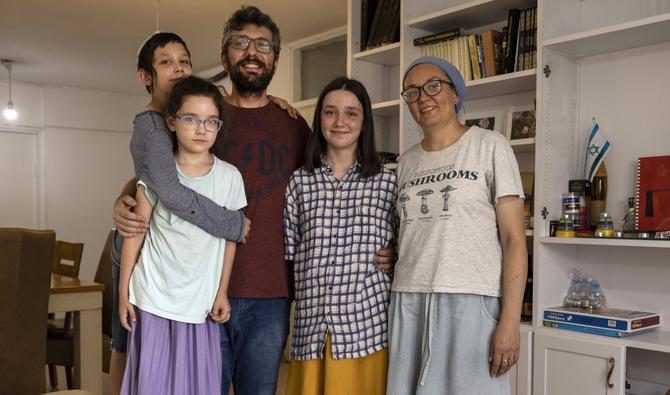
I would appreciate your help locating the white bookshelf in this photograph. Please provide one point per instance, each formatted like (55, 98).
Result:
(503, 84)
(622, 36)
(523, 145)
(388, 55)
(610, 242)
(468, 15)
(654, 340)
(389, 108)
(595, 51)
(606, 60)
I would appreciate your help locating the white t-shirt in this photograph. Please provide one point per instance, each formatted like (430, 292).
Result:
(448, 239)
(179, 269)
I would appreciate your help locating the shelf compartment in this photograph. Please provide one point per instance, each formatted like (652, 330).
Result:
(648, 243)
(387, 55)
(504, 84)
(469, 15)
(523, 145)
(389, 108)
(654, 340)
(622, 36)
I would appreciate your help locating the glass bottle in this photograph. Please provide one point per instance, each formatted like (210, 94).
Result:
(598, 195)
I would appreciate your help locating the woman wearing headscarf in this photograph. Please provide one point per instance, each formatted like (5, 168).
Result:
(460, 276)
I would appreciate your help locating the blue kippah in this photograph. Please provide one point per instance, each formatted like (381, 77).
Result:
(448, 69)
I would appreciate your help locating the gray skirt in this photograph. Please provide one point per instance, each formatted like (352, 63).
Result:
(439, 344)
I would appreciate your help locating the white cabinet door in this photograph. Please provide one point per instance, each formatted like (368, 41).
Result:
(565, 364)
(520, 375)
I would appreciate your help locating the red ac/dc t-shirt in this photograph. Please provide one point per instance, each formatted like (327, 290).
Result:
(266, 145)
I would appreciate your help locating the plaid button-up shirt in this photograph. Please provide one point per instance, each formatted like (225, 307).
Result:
(333, 228)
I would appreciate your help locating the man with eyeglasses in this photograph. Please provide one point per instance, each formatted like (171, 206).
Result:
(266, 145)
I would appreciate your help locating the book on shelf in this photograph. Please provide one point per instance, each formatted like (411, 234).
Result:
(391, 24)
(456, 51)
(375, 26)
(474, 57)
(527, 38)
(368, 8)
(384, 23)
(513, 17)
(533, 41)
(492, 52)
(480, 55)
(590, 330)
(608, 318)
(652, 194)
(521, 41)
(437, 37)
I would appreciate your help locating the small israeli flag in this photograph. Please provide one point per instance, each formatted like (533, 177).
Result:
(596, 149)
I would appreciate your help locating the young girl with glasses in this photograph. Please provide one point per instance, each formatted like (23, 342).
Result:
(173, 297)
(339, 212)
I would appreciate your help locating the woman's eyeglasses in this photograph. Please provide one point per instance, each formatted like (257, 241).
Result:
(431, 88)
(191, 123)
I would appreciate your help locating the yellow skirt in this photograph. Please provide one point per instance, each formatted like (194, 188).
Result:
(330, 376)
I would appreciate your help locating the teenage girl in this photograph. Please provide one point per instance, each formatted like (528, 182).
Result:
(339, 211)
(171, 300)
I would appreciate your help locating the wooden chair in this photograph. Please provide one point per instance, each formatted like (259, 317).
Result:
(60, 341)
(67, 258)
(66, 261)
(25, 275)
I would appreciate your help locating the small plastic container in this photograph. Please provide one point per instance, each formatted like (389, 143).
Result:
(605, 226)
(596, 296)
(566, 226)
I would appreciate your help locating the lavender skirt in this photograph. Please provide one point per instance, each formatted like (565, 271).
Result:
(166, 357)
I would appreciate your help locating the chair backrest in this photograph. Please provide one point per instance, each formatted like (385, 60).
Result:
(25, 276)
(103, 275)
(67, 258)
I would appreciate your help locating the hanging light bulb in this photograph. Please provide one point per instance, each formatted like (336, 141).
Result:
(10, 113)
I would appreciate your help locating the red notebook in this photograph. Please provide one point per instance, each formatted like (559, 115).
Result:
(652, 203)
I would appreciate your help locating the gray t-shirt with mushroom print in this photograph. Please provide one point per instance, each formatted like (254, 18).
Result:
(448, 239)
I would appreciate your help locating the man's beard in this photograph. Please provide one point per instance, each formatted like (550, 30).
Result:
(251, 84)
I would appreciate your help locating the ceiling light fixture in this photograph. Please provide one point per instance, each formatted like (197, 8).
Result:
(9, 113)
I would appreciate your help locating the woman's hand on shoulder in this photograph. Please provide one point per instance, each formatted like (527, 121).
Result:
(284, 105)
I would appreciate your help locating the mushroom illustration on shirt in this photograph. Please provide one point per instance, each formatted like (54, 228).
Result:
(404, 198)
(445, 195)
(424, 193)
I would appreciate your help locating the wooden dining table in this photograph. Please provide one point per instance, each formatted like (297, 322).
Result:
(84, 299)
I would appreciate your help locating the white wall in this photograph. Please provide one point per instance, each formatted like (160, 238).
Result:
(78, 140)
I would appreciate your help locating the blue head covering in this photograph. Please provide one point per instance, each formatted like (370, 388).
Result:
(448, 69)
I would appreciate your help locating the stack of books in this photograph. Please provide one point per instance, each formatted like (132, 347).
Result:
(605, 322)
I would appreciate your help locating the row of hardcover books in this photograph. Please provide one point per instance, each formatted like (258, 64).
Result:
(380, 23)
(491, 52)
(476, 55)
(605, 322)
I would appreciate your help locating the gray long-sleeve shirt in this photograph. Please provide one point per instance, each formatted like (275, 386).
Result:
(153, 158)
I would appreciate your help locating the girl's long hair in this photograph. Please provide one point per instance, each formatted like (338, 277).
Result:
(366, 152)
